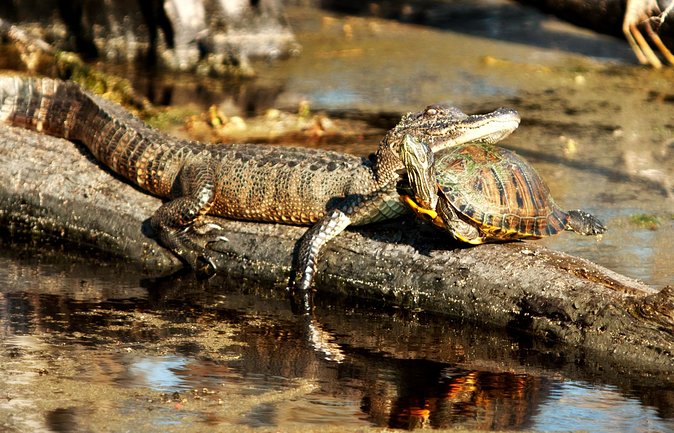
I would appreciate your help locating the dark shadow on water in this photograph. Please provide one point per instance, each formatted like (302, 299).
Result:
(506, 21)
(62, 420)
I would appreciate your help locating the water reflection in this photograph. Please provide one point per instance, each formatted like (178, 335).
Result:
(177, 352)
(578, 406)
(454, 397)
(159, 373)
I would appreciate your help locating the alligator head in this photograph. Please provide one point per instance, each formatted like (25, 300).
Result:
(440, 127)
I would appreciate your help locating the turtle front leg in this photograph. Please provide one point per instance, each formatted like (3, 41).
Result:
(458, 228)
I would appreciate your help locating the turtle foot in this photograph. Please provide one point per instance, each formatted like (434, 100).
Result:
(585, 223)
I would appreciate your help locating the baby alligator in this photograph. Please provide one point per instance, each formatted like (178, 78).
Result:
(328, 190)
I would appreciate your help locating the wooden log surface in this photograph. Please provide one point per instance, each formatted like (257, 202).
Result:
(53, 189)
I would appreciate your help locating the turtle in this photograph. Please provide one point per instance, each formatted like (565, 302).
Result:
(481, 192)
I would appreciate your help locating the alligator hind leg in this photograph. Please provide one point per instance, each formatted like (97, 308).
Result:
(176, 222)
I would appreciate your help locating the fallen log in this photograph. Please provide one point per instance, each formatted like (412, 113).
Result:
(53, 189)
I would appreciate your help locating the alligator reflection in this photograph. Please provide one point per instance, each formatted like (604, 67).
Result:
(193, 340)
(396, 393)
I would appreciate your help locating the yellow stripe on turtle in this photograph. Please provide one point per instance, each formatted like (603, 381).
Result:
(427, 214)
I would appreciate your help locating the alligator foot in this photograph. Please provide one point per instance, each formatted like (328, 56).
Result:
(204, 267)
(209, 231)
(206, 233)
(191, 251)
(192, 245)
(646, 12)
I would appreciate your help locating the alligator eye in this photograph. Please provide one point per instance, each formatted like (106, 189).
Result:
(431, 111)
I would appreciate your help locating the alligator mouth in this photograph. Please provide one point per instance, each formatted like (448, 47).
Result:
(488, 128)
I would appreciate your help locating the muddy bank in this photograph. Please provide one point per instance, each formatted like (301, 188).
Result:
(52, 189)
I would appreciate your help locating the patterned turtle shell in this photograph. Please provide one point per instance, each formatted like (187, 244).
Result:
(499, 192)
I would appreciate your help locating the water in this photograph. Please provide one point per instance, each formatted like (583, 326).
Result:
(90, 345)
(581, 406)
(88, 350)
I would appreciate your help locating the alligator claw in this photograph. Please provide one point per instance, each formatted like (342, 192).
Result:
(204, 267)
(210, 231)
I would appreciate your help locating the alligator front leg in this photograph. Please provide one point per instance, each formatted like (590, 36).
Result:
(310, 246)
(307, 257)
(354, 210)
(175, 222)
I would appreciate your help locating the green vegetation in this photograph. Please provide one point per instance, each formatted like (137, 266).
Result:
(115, 88)
(166, 118)
(647, 221)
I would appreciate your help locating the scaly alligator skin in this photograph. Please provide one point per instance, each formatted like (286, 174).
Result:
(328, 190)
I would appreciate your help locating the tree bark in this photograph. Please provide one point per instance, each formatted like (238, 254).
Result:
(53, 189)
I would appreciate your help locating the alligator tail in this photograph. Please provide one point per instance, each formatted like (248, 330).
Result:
(35, 104)
(120, 141)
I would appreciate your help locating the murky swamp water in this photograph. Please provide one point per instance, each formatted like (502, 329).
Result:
(87, 345)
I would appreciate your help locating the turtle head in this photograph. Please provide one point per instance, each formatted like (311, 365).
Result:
(443, 126)
(418, 160)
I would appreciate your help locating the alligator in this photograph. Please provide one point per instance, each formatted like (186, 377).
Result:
(324, 189)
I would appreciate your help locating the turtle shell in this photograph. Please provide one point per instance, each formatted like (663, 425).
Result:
(498, 191)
